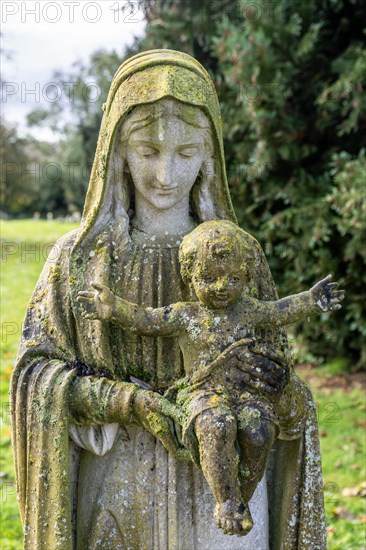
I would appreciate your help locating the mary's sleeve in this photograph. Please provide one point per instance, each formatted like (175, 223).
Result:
(43, 381)
(40, 386)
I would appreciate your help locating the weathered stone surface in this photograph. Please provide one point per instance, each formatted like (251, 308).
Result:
(96, 455)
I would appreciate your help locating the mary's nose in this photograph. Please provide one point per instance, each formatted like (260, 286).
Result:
(164, 173)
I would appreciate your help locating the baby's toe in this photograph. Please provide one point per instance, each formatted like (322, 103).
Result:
(246, 526)
(219, 522)
(229, 527)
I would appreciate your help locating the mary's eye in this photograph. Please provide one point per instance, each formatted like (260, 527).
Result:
(188, 151)
(234, 280)
(147, 151)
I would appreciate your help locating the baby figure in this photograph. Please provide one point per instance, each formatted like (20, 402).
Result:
(231, 427)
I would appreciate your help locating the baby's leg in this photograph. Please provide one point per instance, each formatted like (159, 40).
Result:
(216, 432)
(255, 442)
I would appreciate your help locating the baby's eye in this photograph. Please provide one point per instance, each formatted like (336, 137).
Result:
(234, 280)
(147, 151)
(208, 279)
(188, 151)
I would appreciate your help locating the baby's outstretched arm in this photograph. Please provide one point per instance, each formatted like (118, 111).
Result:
(324, 296)
(104, 305)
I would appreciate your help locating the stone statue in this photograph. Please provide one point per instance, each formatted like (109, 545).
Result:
(215, 260)
(97, 454)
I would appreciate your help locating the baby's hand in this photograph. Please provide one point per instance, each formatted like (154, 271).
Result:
(99, 304)
(326, 296)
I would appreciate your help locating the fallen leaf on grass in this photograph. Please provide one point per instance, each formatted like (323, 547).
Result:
(342, 513)
(360, 423)
(356, 491)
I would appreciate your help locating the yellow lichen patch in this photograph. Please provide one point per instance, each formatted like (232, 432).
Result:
(54, 274)
(101, 251)
(31, 343)
(39, 295)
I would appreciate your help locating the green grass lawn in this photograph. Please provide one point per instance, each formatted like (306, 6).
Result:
(25, 245)
(341, 407)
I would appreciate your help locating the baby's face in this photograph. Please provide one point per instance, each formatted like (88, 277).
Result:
(218, 283)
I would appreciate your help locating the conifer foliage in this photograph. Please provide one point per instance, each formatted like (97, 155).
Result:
(291, 82)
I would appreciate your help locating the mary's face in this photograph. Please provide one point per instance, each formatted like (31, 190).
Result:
(164, 159)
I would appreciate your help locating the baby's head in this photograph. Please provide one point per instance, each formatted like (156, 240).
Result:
(216, 259)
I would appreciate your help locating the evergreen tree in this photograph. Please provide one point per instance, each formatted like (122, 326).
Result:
(291, 79)
(75, 119)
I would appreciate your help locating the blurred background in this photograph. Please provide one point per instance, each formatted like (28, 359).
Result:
(290, 78)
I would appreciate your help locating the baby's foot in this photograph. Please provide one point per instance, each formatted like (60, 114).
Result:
(233, 518)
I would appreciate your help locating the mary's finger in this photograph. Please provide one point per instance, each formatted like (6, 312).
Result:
(98, 286)
(85, 299)
(264, 388)
(88, 316)
(269, 378)
(259, 361)
(169, 443)
(162, 430)
(258, 373)
(270, 386)
(269, 353)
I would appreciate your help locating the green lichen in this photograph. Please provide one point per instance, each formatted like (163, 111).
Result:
(173, 411)
(158, 423)
(249, 417)
(254, 292)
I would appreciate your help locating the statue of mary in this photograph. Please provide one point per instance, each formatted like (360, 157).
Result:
(94, 453)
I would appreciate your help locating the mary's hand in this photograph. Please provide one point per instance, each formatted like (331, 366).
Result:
(154, 413)
(264, 371)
